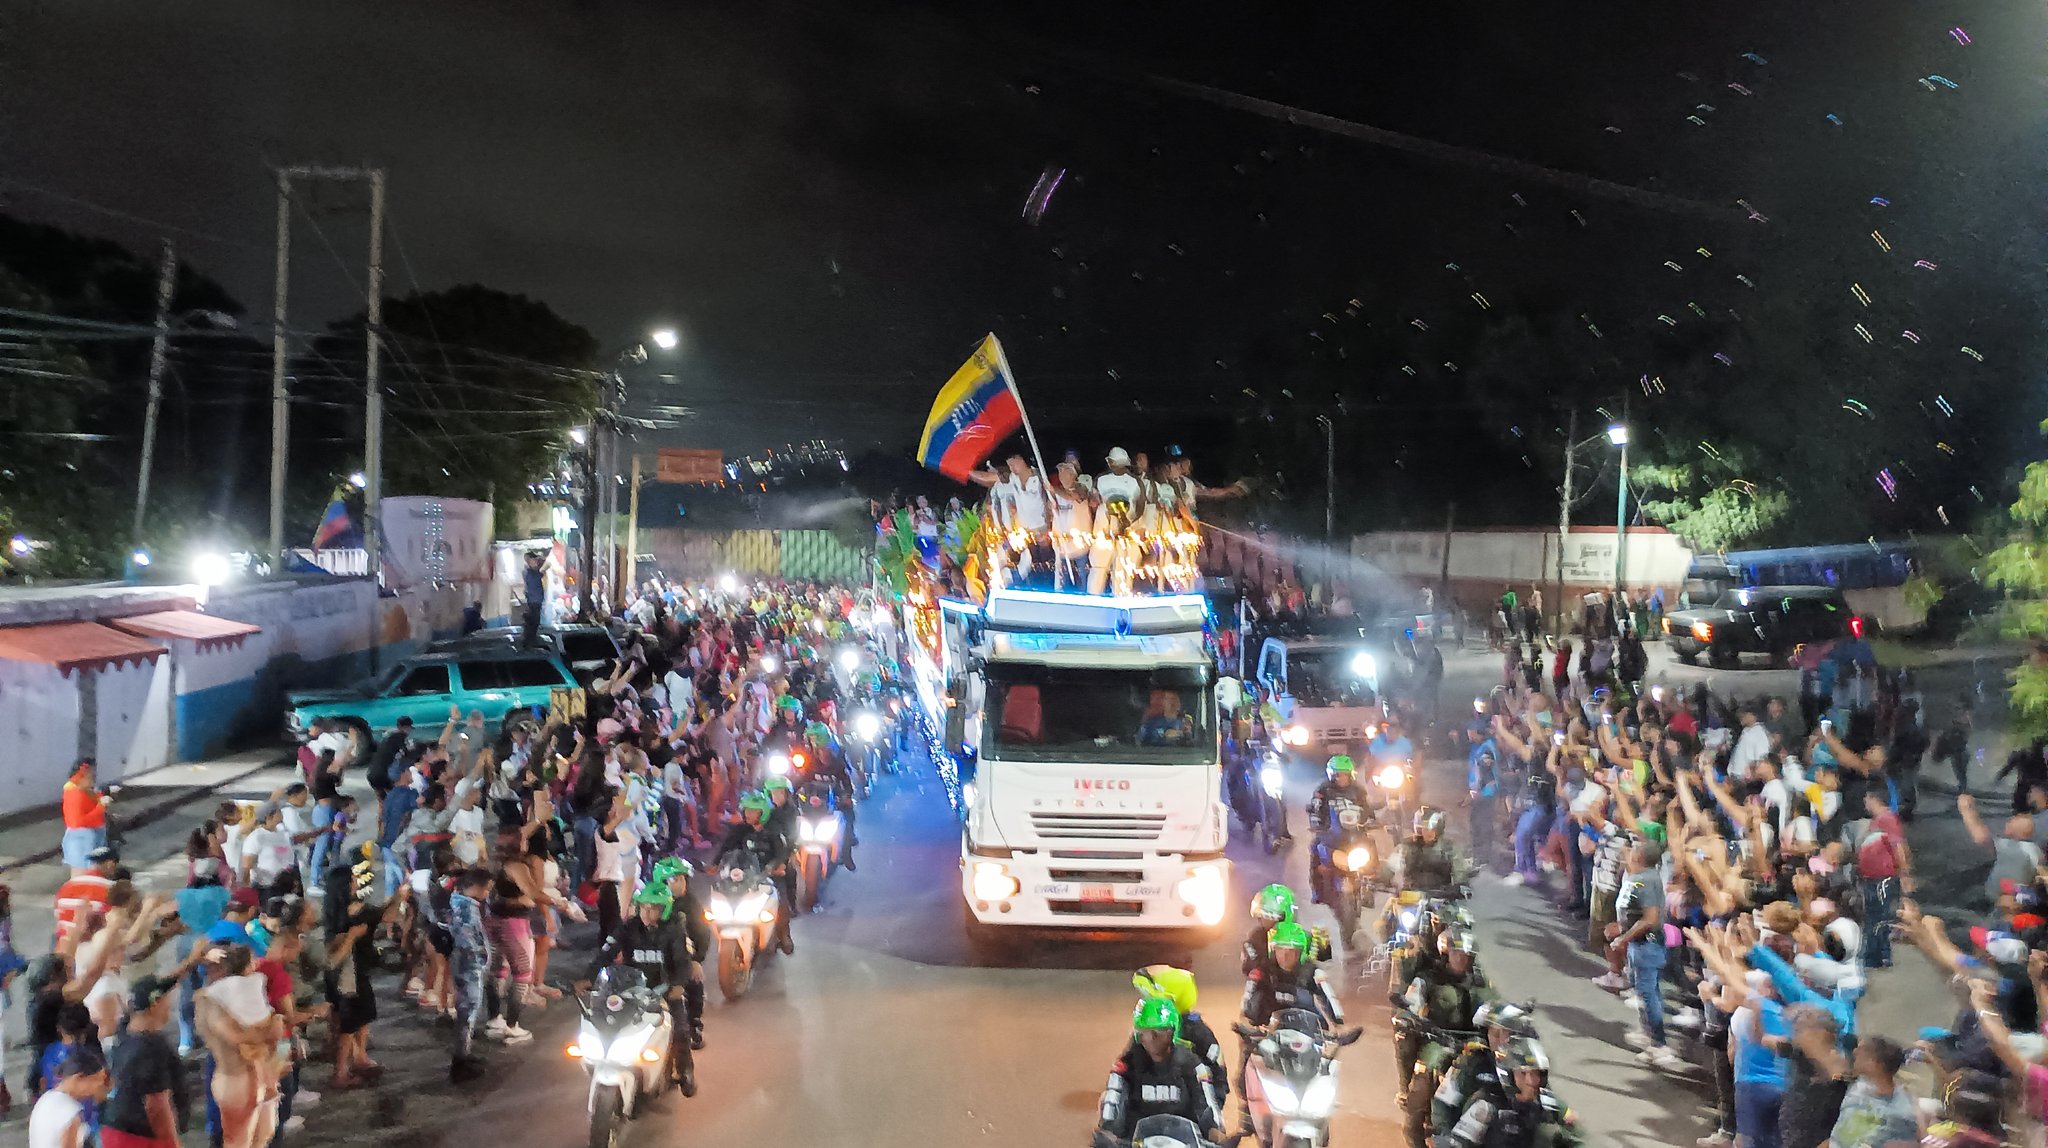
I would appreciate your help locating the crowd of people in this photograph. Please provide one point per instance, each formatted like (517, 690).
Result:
(1742, 868)
(452, 886)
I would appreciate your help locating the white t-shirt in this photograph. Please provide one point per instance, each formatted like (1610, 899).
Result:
(112, 983)
(231, 847)
(1750, 748)
(1112, 487)
(612, 855)
(467, 829)
(52, 1119)
(270, 851)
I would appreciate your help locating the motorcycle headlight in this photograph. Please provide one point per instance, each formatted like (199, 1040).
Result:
(1318, 1098)
(589, 1045)
(1407, 920)
(867, 725)
(1281, 1098)
(752, 907)
(820, 829)
(1296, 735)
(718, 909)
(1273, 780)
(1357, 858)
(778, 764)
(1364, 666)
(625, 1051)
(1390, 777)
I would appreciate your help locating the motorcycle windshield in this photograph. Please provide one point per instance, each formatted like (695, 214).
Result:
(737, 871)
(1166, 1132)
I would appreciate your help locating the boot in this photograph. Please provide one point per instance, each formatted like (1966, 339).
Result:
(693, 1010)
(847, 859)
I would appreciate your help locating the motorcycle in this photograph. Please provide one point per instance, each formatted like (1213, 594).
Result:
(1394, 783)
(1290, 1086)
(743, 907)
(1403, 916)
(1159, 1132)
(1346, 874)
(1439, 1050)
(869, 751)
(820, 829)
(623, 1041)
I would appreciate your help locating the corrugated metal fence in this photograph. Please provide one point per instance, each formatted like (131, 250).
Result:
(760, 553)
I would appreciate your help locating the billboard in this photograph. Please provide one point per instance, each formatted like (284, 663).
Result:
(430, 540)
(678, 464)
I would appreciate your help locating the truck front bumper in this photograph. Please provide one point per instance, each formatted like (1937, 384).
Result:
(1104, 888)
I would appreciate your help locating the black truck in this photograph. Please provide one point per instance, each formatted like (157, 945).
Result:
(1772, 620)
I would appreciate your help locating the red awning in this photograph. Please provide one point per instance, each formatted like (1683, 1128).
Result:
(75, 646)
(210, 632)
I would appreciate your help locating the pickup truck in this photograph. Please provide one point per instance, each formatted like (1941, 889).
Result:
(1770, 620)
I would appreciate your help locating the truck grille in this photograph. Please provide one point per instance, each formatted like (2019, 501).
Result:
(1097, 908)
(1099, 876)
(1121, 826)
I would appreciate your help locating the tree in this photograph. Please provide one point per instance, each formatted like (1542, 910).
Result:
(2021, 568)
(481, 388)
(1709, 503)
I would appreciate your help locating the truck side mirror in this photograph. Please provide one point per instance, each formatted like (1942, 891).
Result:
(956, 714)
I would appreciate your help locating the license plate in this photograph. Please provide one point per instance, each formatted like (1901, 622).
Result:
(1098, 892)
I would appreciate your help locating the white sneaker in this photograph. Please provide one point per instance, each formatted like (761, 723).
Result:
(1657, 1056)
(513, 1034)
(296, 1123)
(1612, 982)
(1513, 879)
(1687, 1018)
(305, 1098)
(1635, 1039)
(413, 987)
(1547, 866)
(1629, 998)
(495, 1027)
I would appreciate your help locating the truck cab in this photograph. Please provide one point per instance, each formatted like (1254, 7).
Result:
(1327, 690)
(1095, 801)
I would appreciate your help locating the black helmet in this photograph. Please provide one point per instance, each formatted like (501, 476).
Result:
(1429, 819)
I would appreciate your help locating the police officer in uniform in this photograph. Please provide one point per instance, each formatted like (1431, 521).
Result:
(1520, 1112)
(1155, 1076)
(660, 948)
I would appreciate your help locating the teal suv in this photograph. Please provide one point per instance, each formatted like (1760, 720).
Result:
(504, 684)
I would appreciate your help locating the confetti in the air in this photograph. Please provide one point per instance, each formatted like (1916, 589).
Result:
(1961, 37)
(1673, 266)
(1910, 337)
(1745, 281)
(1723, 359)
(1890, 484)
(1834, 119)
(1696, 309)
(1944, 81)
(1880, 201)
(1418, 324)
(1040, 198)
(1739, 89)
(1407, 370)
(1667, 320)
(1708, 108)
(1856, 407)
(1942, 402)
(1945, 448)
(1927, 83)
(1881, 244)
(1862, 296)
(1702, 253)
(1865, 332)
(1970, 351)
(1519, 201)
(1484, 303)
(1695, 120)
(1753, 58)
(1577, 216)
(1941, 512)
(1924, 264)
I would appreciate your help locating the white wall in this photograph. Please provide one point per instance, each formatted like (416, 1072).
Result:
(38, 734)
(1519, 557)
(131, 733)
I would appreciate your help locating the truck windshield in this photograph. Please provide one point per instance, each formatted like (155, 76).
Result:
(1325, 678)
(1163, 716)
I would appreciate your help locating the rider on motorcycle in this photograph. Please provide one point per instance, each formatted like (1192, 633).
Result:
(1154, 1076)
(1337, 807)
(1272, 905)
(1478, 1067)
(1178, 986)
(1424, 860)
(828, 764)
(1447, 995)
(664, 951)
(753, 834)
(1518, 1111)
(1288, 978)
(687, 913)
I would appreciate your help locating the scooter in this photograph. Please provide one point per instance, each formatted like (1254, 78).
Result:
(1290, 1085)
(743, 906)
(623, 1041)
(820, 829)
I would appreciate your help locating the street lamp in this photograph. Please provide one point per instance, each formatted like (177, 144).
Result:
(666, 338)
(601, 500)
(359, 480)
(1616, 435)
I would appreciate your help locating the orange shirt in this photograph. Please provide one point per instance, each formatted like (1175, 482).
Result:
(82, 808)
(77, 897)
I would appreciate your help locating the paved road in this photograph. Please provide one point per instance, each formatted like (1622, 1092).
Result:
(882, 1030)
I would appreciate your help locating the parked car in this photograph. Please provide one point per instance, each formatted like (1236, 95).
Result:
(589, 650)
(1772, 620)
(506, 684)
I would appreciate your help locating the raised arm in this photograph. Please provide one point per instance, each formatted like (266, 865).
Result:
(1979, 832)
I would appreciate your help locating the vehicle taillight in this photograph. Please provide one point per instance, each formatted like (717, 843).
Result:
(1704, 631)
(1855, 626)
(1667, 625)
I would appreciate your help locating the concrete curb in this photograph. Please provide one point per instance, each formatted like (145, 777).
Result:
(155, 811)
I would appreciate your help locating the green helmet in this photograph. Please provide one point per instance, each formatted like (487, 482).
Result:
(1341, 763)
(774, 783)
(1274, 903)
(758, 802)
(654, 893)
(1288, 935)
(786, 702)
(1157, 1012)
(670, 867)
(818, 731)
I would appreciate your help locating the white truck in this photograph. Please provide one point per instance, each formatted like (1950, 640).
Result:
(1086, 726)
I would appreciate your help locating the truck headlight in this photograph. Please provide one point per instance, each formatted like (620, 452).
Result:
(992, 882)
(1204, 889)
(1364, 666)
(1295, 735)
(1704, 631)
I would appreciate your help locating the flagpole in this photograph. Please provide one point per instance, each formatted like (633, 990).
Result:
(1031, 437)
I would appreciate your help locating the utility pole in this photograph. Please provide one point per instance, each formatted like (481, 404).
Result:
(280, 410)
(633, 525)
(1564, 516)
(1329, 476)
(587, 593)
(373, 393)
(159, 347)
(1620, 522)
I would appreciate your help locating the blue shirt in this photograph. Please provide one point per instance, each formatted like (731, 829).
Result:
(398, 805)
(1399, 749)
(200, 906)
(228, 932)
(1755, 1064)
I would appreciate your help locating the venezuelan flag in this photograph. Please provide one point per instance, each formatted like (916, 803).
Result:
(975, 410)
(334, 525)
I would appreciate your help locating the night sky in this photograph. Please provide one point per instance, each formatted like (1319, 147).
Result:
(829, 199)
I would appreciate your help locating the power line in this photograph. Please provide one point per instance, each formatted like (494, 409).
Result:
(129, 216)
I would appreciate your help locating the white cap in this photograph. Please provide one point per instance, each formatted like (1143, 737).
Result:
(1118, 456)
